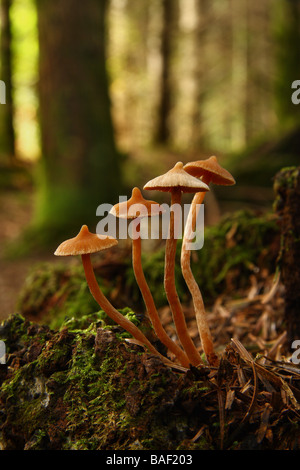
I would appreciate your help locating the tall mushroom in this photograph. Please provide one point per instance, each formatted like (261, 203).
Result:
(84, 244)
(136, 208)
(177, 181)
(210, 172)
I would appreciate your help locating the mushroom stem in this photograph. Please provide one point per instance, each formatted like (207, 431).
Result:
(148, 299)
(110, 310)
(203, 327)
(170, 287)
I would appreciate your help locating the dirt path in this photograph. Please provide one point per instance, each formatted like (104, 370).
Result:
(15, 215)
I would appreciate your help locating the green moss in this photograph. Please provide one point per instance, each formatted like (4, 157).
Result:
(90, 396)
(48, 287)
(247, 250)
(58, 294)
(195, 389)
(28, 402)
(238, 246)
(285, 179)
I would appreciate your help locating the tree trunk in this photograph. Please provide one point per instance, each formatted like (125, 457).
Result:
(7, 133)
(287, 47)
(167, 50)
(287, 205)
(249, 91)
(80, 164)
(200, 71)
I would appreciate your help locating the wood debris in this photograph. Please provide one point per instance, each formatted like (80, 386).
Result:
(256, 386)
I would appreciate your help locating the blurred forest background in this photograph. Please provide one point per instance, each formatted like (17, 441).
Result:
(104, 95)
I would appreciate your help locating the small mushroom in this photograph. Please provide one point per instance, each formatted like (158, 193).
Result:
(210, 172)
(84, 244)
(136, 208)
(176, 181)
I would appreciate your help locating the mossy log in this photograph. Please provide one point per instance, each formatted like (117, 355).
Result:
(287, 206)
(77, 389)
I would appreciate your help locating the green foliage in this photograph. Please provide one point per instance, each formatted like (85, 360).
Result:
(25, 75)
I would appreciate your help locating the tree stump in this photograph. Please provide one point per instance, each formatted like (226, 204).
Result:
(287, 206)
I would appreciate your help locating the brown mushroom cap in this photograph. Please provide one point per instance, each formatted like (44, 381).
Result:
(176, 178)
(136, 206)
(211, 169)
(84, 243)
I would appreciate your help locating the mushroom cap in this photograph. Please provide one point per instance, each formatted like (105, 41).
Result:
(211, 169)
(84, 243)
(136, 206)
(176, 178)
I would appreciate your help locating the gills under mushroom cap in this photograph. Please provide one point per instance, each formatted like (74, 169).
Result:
(84, 243)
(176, 178)
(210, 169)
(136, 206)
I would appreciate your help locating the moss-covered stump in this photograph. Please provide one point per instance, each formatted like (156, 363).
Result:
(287, 206)
(87, 389)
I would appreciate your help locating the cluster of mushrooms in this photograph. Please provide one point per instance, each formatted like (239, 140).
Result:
(194, 178)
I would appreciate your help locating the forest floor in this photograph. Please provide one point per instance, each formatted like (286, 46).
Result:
(15, 213)
(16, 207)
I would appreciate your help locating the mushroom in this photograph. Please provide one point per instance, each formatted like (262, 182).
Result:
(210, 172)
(136, 208)
(84, 244)
(177, 181)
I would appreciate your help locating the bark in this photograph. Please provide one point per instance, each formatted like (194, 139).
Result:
(7, 132)
(167, 51)
(287, 205)
(249, 91)
(200, 70)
